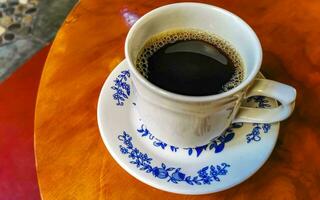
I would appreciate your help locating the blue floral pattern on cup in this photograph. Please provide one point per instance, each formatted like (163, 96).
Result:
(205, 175)
(121, 88)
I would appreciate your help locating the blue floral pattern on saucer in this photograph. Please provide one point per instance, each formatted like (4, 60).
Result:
(260, 100)
(255, 133)
(205, 175)
(217, 144)
(121, 88)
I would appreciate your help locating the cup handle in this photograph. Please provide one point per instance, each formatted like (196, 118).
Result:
(285, 94)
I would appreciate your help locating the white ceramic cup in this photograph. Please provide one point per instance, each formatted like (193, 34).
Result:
(188, 121)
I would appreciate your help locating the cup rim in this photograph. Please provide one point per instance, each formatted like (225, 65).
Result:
(188, 98)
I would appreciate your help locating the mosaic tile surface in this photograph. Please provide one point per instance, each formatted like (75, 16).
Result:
(25, 27)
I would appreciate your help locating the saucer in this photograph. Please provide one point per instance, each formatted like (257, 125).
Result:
(222, 163)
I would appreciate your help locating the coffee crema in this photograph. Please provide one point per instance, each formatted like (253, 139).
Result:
(190, 62)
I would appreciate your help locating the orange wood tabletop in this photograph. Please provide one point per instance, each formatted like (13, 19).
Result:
(72, 161)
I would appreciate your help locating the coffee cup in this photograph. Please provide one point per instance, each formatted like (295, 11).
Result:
(189, 121)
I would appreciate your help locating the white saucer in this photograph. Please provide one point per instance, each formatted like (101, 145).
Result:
(225, 162)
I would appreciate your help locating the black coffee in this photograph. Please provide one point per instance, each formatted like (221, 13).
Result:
(191, 63)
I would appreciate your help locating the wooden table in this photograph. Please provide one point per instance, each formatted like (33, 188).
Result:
(72, 161)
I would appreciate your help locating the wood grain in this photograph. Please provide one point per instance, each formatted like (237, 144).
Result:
(72, 162)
